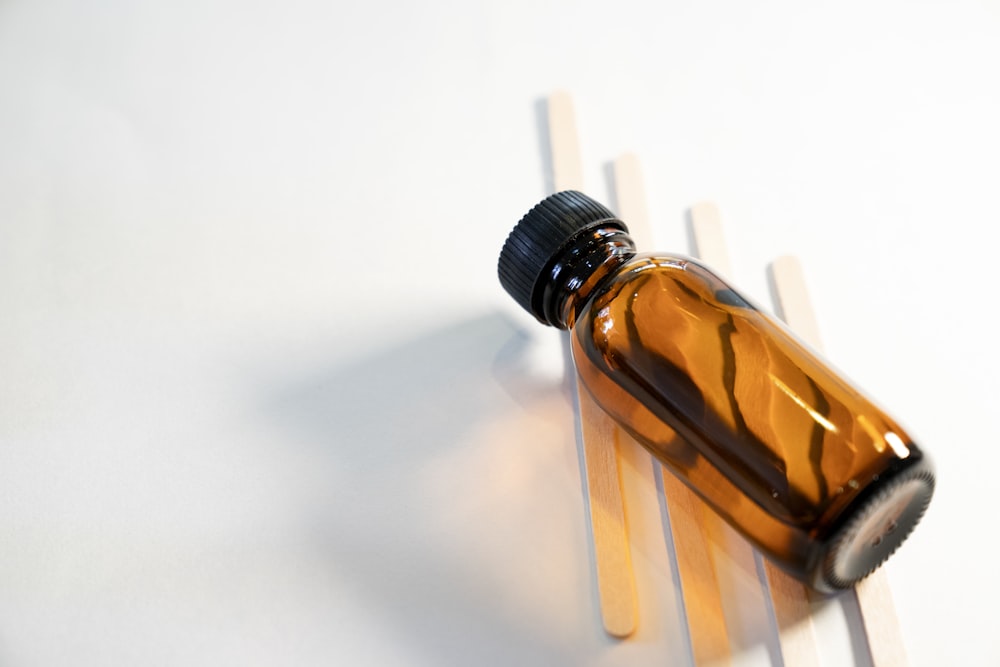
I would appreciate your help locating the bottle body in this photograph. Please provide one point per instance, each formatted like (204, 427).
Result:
(780, 445)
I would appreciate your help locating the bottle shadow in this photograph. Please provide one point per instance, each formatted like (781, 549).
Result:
(402, 405)
(406, 530)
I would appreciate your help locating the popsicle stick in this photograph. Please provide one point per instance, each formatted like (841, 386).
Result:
(878, 615)
(706, 618)
(706, 232)
(709, 246)
(613, 561)
(700, 590)
(630, 199)
(567, 166)
(878, 612)
(790, 605)
(793, 304)
(615, 580)
(789, 598)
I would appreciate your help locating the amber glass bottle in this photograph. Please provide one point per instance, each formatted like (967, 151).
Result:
(794, 457)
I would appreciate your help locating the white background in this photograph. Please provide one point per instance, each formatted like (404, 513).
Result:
(263, 401)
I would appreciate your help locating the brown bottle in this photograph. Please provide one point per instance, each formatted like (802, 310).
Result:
(795, 458)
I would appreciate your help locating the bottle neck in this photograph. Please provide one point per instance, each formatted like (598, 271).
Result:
(577, 272)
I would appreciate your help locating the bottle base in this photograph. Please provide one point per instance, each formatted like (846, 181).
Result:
(876, 529)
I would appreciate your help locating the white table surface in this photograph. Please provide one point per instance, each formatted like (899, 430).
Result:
(263, 401)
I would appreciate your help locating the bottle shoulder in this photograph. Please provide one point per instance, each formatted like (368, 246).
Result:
(663, 262)
(678, 266)
(659, 261)
(666, 280)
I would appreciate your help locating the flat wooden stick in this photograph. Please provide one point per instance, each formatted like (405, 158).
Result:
(567, 166)
(615, 577)
(700, 590)
(878, 612)
(703, 609)
(789, 598)
(706, 232)
(792, 300)
(878, 615)
(613, 560)
(709, 246)
(630, 199)
(790, 605)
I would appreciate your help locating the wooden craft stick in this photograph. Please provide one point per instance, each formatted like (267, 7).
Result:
(630, 200)
(615, 578)
(789, 598)
(790, 605)
(706, 618)
(706, 232)
(567, 166)
(792, 300)
(878, 612)
(613, 560)
(700, 590)
(878, 615)
(709, 246)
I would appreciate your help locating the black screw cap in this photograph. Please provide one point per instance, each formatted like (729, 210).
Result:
(540, 237)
